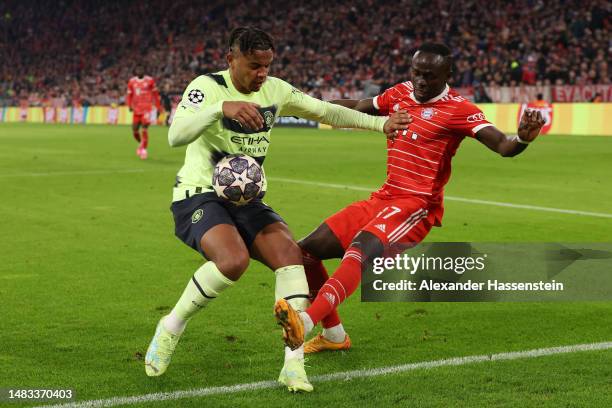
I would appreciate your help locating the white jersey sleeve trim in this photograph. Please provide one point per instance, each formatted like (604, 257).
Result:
(478, 128)
(375, 102)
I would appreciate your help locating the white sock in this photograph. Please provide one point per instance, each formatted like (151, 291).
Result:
(308, 324)
(297, 353)
(292, 285)
(335, 334)
(174, 324)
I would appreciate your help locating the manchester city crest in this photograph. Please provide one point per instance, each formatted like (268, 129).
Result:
(197, 216)
(427, 113)
(268, 118)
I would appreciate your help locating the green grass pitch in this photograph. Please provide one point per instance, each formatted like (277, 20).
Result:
(89, 263)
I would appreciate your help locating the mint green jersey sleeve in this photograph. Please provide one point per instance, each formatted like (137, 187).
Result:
(304, 106)
(199, 108)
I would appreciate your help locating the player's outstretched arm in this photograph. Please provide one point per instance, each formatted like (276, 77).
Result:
(528, 130)
(361, 105)
(397, 121)
(338, 116)
(304, 106)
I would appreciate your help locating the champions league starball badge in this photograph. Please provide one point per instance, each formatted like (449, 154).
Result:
(196, 96)
(427, 113)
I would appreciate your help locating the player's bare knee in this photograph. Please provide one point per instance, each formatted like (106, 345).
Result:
(234, 265)
(310, 250)
(308, 244)
(292, 255)
(322, 244)
(369, 244)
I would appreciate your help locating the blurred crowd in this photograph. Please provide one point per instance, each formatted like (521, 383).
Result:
(74, 52)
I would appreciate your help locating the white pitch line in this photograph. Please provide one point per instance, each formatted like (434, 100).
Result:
(346, 375)
(529, 207)
(450, 198)
(327, 185)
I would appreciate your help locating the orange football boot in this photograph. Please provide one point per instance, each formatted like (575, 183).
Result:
(290, 320)
(320, 343)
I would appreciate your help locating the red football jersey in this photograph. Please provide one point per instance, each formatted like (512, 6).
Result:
(142, 94)
(419, 159)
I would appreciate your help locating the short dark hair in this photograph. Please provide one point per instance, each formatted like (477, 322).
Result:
(248, 39)
(435, 48)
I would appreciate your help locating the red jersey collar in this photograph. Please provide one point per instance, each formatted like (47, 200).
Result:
(435, 98)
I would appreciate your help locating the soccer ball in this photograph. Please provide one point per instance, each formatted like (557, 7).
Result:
(238, 178)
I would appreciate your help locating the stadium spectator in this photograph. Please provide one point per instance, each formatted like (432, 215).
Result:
(329, 53)
(480, 94)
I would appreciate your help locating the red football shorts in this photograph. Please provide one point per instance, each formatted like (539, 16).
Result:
(398, 221)
(141, 119)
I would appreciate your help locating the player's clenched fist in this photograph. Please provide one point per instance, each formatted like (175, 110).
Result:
(244, 112)
(530, 125)
(397, 121)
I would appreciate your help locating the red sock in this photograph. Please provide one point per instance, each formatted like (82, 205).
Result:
(145, 138)
(136, 135)
(316, 274)
(337, 288)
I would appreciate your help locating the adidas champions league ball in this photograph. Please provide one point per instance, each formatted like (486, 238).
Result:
(238, 178)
